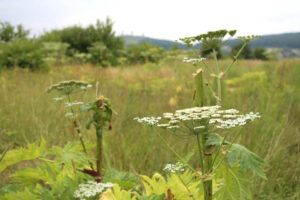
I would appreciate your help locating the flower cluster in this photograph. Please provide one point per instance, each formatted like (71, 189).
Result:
(68, 87)
(173, 168)
(91, 189)
(150, 121)
(193, 60)
(202, 118)
(73, 104)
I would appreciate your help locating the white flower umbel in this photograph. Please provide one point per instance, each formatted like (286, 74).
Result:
(174, 168)
(205, 118)
(150, 121)
(73, 104)
(193, 60)
(91, 189)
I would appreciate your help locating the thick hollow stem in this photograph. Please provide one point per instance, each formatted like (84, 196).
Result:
(99, 151)
(207, 184)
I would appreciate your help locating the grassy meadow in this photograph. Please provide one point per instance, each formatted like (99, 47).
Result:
(272, 88)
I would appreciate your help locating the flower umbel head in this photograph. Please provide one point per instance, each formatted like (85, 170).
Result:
(91, 189)
(201, 119)
(174, 168)
(150, 121)
(68, 87)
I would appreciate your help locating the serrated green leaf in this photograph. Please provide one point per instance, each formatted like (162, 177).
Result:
(71, 151)
(214, 139)
(247, 160)
(125, 180)
(14, 156)
(231, 184)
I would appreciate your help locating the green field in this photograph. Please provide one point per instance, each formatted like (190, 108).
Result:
(272, 88)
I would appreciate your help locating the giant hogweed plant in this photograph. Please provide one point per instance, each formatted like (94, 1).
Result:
(102, 114)
(222, 163)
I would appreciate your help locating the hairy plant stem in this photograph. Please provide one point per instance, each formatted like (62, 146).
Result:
(99, 150)
(200, 153)
(76, 126)
(207, 184)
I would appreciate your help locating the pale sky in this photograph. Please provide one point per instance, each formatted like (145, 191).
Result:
(164, 19)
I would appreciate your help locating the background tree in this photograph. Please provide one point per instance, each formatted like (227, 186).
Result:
(260, 53)
(246, 53)
(8, 32)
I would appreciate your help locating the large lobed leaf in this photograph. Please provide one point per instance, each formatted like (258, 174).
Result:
(247, 160)
(14, 156)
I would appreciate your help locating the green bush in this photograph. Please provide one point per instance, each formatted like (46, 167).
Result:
(22, 53)
(143, 53)
(246, 53)
(260, 53)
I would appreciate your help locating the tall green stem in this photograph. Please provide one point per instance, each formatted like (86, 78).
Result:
(76, 126)
(219, 88)
(200, 153)
(99, 150)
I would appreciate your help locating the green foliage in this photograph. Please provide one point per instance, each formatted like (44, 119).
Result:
(102, 113)
(102, 55)
(32, 152)
(143, 53)
(231, 184)
(125, 180)
(72, 151)
(99, 40)
(55, 52)
(182, 186)
(247, 160)
(260, 53)
(8, 32)
(116, 194)
(22, 53)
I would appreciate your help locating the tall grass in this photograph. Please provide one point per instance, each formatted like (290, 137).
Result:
(270, 87)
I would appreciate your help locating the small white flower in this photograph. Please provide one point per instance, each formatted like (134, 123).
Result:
(193, 60)
(73, 104)
(173, 168)
(151, 121)
(91, 189)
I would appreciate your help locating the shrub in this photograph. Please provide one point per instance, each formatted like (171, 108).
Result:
(260, 53)
(144, 53)
(22, 53)
(246, 53)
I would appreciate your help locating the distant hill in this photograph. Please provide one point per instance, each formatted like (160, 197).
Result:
(285, 40)
(166, 44)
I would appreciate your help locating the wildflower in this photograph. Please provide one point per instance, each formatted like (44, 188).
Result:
(150, 121)
(193, 60)
(68, 87)
(91, 189)
(207, 117)
(173, 168)
(73, 104)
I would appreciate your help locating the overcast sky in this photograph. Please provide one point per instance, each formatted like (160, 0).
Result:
(165, 19)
